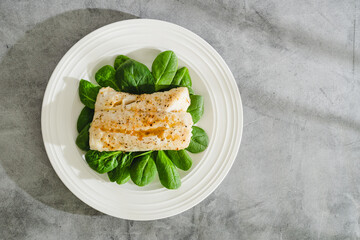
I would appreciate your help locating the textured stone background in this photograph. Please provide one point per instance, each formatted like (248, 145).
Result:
(296, 63)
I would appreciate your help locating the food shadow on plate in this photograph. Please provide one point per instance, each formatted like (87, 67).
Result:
(26, 68)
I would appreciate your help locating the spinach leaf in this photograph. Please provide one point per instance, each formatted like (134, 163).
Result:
(180, 158)
(182, 78)
(169, 176)
(119, 60)
(102, 162)
(120, 175)
(124, 176)
(191, 91)
(196, 108)
(88, 93)
(164, 68)
(82, 140)
(140, 154)
(199, 140)
(105, 77)
(125, 159)
(134, 77)
(143, 170)
(85, 117)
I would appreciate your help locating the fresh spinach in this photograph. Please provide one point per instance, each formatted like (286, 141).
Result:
(196, 108)
(88, 93)
(102, 162)
(140, 154)
(105, 77)
(143, 170)
(82, 140)
(168, 174)
(85, 117)
(199, 140)
(191, 91)
(119, 60)
(134, 77)
(120, 175)
(124, 176)
(131, 76)
(125, 159)
(164, 68)
(180, 158)
(182, 78)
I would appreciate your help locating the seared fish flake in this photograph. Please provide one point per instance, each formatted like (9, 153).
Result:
(128, 122)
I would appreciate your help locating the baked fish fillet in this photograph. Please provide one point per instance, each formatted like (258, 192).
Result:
(128, 122)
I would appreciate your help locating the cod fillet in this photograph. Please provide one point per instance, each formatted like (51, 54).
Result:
(129, 122)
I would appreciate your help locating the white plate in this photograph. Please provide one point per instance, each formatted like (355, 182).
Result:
(142, 40)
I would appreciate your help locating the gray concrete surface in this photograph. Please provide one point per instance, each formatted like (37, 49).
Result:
(297, 174)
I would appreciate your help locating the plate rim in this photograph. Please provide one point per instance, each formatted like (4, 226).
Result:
(232, 82)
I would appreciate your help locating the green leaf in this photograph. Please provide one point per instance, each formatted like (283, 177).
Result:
(85, 117)
(140, 154)
(199, 140)
(82, 140)
(119, 60)
(180, 158)
(124, 176)
(125, 159)
(191, 91)
(143, 170)
(105, 77)
(196, 108)
(134, 77)
(88, 93)
(164, 68)
(168, 175)
(120, 175)
(182, 78)
(102, 162)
